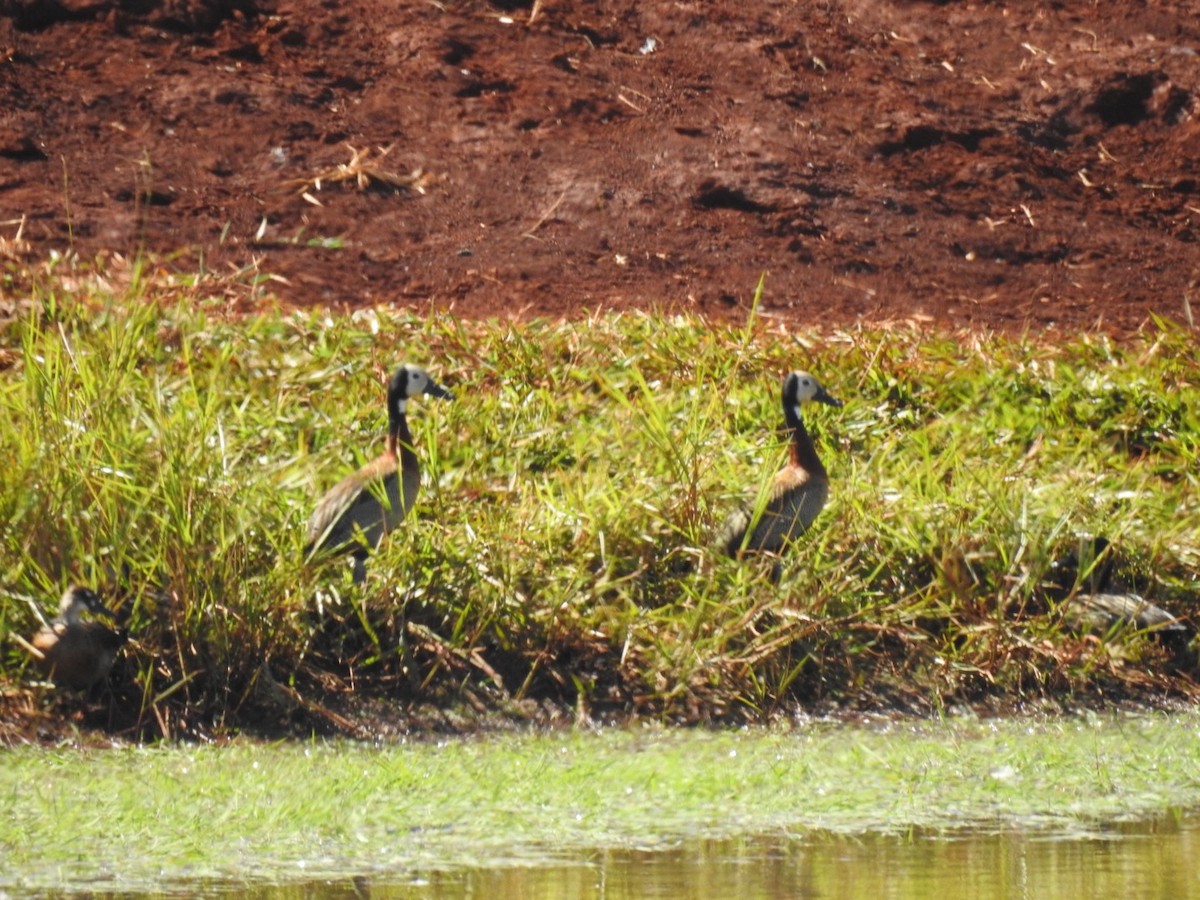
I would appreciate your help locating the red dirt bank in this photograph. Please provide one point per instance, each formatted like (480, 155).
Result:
(981, 164)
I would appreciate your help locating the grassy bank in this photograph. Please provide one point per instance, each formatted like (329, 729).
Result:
(184, 814)
(559, 560)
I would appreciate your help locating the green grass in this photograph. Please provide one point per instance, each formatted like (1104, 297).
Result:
(189, 812)
(169, 453)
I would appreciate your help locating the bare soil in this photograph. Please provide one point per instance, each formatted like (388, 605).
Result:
(970, 164)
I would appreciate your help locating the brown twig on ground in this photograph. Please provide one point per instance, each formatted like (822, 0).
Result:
(529, 232)
(364, 170)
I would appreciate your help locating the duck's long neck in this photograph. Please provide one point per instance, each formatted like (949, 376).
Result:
(400, 439)
(801, 449)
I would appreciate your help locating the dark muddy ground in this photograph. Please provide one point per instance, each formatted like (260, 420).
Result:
(971, 163)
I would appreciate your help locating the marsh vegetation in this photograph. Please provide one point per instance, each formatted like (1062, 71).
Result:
(559, 565)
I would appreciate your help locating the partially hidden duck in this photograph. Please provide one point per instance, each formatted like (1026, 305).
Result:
(75, 652)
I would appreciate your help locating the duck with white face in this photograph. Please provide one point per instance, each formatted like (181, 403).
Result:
(75, 652)
(353, 516)
(799, 490)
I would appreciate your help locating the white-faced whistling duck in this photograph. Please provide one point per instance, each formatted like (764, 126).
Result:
(355, 514)
(1090, 601)
(798, 491)
(72, 651)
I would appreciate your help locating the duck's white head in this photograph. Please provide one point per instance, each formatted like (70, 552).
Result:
(76, 600)
(800, 388)
(412, 381)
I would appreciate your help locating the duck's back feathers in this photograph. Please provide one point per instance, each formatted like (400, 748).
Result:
(73, 652)
(1090, 598)
(369, 502)
(77, 656)
(1101, 613)
(797, 497)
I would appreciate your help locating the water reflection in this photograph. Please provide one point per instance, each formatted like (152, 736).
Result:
(1146, 859)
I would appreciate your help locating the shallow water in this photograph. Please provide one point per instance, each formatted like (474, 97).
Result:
(1144, 860)
(1140, 859)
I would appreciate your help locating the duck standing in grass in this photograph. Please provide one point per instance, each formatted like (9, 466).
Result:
(797, 493)
(355, 514)
(74, 652)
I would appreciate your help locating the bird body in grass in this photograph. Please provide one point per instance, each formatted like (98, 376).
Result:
(74, 652)
(799, 490)
(1101, 613)
(355, 514)
(1090, 602)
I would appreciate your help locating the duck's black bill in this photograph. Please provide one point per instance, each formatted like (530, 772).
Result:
(823, 396)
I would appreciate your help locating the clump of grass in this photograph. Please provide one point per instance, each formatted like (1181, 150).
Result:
(560, 557)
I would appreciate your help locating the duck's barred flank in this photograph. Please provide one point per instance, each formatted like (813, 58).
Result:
(1089, 599)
